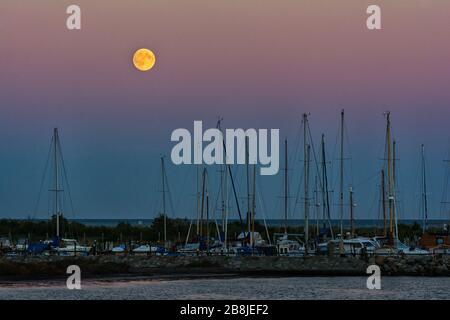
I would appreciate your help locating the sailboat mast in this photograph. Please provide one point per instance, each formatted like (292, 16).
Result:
(253, 207)
(389, 165)
(341, 175)
(305, 177)
(225, 208)
(424, 193)
(163, 173)
(248, 191)
(57, 211)
(202, 202)
(224, 189)
(383, 203)
(352, 226)
(317, 205)
(231, 179)
(285, 185)
(198, 199)
(394, 189)
(308, 157)
(325, 195)
(222, 195)
(323, 167)
(207, 221)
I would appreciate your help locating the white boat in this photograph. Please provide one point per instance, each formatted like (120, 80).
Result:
(142, 249)
(221, 250)
(21, 245)
(386, 251)
(5, 243)
(288, 247)
(353, 246)
(400, 248)
(255, 236)
(190, 248)
(145, 248)
(71, 246)
(404, 249)
(118, 249)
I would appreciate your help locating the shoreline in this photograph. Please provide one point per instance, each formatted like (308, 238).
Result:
(20, 268)
(127, 278)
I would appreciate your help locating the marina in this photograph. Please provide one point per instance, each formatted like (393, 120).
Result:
(240, 159)
(217, 232)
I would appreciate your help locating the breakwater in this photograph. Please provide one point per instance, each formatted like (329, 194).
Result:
(54, 266)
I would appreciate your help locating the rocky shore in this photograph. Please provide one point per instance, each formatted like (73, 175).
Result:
(54, 266)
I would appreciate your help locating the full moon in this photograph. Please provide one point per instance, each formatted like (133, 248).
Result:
(144, 59)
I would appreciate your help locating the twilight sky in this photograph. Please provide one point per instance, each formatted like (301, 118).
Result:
(256, 63)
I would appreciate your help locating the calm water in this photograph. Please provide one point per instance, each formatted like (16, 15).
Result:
(422, 288)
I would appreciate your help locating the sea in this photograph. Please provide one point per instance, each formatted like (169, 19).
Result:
(360, 223)
(252, 288)
(225, 287)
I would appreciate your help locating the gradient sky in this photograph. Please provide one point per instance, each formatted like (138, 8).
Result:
(256, 63)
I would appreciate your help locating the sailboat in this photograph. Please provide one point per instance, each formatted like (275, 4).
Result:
(412, 249)
(437, 243)
(157, 249)
(255, 244)
(351, 234)
(327, 229)
(290, 244)
(72, 247)
(58, 245)
(192, 246)
(248, 241)
(202, 243)
(389, 243)
(65, 246)
(349, 243)
(5, 245)
(324, 234)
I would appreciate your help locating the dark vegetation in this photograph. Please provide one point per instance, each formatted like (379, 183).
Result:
(177, 230)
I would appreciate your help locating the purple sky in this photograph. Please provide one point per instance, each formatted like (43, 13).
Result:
(257, 63)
